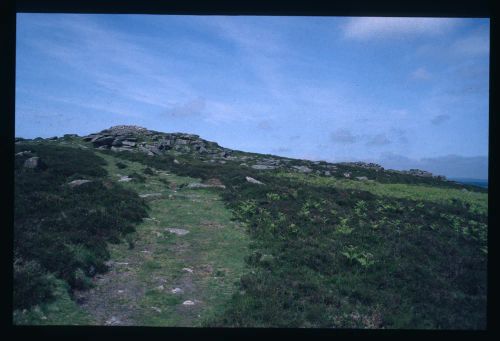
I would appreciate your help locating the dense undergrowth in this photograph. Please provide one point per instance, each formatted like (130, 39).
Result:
(60, 232)
(333, 256)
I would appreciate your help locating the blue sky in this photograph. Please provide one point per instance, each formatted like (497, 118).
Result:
(403, 92)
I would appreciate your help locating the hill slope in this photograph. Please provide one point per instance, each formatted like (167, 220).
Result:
(348, 245)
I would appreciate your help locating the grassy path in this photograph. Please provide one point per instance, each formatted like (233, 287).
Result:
(169, 279)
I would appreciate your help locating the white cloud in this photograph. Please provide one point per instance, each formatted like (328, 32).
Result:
(371, 27)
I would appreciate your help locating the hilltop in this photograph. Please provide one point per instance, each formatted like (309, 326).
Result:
(197, 234)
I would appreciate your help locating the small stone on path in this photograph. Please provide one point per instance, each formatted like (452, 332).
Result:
(121, 291)
(113, 321)
(176, 291)
(188, 302)
(179, 232)
(158, 310)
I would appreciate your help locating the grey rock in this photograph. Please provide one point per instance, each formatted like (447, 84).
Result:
(79, 182)
(113, 321)
(303, 169)
(23, 153)
(253, 181)
(179, 232)
(199, 185)
(347, 175)
(263, 167)
(125, 179)
(176, 162)
(327, 173)
(33, 163)
(129, 143)
(103, 141)
(362, 178)
(148, 195)
(176, 291)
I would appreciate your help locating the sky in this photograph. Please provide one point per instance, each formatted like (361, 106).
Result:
(402, 92)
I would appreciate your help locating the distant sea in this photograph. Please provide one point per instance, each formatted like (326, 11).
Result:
(468, 181)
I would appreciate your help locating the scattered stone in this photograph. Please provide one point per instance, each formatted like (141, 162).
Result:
(180, 232)
(148, 195)
(176, 291)
(187, 270)
(76, 183)
(347, 175)
(253, 181)
(26, 152)
(303, 169)
(158, 310)
(176, 162)
(125, 179)
(121, 291)
(113, 321)
(263, 167)
(121, 263)
(327, 173)
(188, 302)
(199, 185)
(146, 251)
(362, 178)
(160, 287)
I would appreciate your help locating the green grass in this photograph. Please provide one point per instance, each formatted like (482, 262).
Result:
(61, 311)
(214, 240)
(478, 201)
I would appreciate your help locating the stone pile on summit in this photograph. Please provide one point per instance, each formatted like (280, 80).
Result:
(134, 138)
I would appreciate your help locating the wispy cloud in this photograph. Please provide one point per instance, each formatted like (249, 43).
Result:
(421, 74)
(378, 140)
(378, 28)
(343, 136)
(190, 108)
(437, 120)
(472, 45)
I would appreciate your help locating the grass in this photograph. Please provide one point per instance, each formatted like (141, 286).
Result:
(478, 201)
(214, 242)
(61, 311)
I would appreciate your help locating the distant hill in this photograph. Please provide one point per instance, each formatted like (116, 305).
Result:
(474, 182)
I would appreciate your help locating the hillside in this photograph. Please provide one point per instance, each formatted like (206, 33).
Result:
(130, 226)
